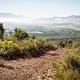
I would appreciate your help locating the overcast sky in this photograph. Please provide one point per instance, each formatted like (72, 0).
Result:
(40, 8)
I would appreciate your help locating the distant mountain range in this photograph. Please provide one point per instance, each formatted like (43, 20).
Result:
(12, 20)
(68, 19)
(9, 15)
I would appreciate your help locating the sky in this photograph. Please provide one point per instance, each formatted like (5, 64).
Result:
(40, 8)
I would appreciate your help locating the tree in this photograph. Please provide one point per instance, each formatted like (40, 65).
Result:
(1, 30)
(20, 34)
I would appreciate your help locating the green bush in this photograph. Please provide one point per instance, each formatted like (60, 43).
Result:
(76, 44)
(68, 68)
(67, 75)
(50, 45)
(20, 34)
(8, 49)
(72, 60)
(12, 49)
(69, 46)
(8, 38)
(1, 31)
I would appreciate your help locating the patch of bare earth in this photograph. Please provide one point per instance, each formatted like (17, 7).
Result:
(29, 69)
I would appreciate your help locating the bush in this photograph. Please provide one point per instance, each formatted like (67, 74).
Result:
(24, 48)
(72, 60)
(76, 44)
(1, 31)
(68, 68)
(8, 49)
(50, 45)
(20, 34)
(73, 45)
(8, 38)
(69, 46)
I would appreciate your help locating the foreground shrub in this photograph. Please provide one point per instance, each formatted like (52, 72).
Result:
(8, 38)
(9, 50)
(68, 68)
(24, 48)
(33, 47)
(11, 54)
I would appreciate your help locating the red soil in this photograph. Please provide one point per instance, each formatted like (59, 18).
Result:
(29, 69)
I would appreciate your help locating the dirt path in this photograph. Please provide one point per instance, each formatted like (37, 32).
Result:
(29, 69)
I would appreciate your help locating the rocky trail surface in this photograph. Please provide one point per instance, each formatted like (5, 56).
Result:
(29, 69)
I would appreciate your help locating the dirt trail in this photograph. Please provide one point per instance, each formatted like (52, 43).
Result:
(29, 69)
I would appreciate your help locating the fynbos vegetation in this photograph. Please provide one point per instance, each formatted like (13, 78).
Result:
(21, 45)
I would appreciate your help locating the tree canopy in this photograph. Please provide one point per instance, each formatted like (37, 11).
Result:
(1, 30)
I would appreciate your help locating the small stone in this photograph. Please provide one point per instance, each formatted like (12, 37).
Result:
(39, 78)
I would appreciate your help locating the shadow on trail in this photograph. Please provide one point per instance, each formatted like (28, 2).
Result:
(30, 54)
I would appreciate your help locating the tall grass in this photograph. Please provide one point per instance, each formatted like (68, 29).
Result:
(68, 67)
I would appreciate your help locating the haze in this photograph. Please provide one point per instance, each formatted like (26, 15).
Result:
(40, 8)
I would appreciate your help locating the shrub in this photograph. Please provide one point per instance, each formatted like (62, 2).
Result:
(8, 38)
(1, 31)
(69, 46)
(9, 50)
(31, 46)
(68, 68)
(76, 44)
(50, 45)
(20, 34)
(11, 54)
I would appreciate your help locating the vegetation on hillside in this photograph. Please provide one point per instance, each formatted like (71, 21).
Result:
(21, 45)
(68, 67)
(56, 32)
(20, 34)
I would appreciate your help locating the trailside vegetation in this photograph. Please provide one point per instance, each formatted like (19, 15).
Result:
(21, 45)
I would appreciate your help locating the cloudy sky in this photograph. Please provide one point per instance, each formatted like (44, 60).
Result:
(40, 8)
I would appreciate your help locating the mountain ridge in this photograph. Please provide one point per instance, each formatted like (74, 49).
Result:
(10, 15)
